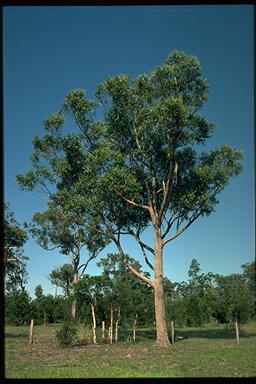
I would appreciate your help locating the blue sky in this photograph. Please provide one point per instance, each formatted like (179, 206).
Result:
(49, 51)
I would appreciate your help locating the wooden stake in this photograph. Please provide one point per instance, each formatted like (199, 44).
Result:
(237, 332)
(31, 328)
(172, 332)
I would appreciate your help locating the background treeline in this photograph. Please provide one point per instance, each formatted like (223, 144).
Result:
(116, 296)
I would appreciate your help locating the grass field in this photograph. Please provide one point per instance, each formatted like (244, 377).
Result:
(210, 351)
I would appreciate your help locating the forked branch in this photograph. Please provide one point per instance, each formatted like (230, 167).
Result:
(180, 231)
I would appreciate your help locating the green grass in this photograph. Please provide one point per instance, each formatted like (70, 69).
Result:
(209, 351)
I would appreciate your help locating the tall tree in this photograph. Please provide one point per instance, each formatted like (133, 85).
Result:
(140, 166)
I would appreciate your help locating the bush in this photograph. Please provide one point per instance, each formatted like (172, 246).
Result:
(66, 335)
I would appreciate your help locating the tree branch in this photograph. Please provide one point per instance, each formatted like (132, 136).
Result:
(93, 256)
(131, 202)
(146, 258)
(169, 225)
(47, 248)
(180, 231)
(141, 242)
(167, 188)
(132, 269)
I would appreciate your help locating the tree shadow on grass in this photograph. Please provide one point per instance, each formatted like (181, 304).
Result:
(228, 333)
(16, 335)
(217, 333)
(141, 334)
(146, 334)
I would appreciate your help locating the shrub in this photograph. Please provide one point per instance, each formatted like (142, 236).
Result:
(66, 335)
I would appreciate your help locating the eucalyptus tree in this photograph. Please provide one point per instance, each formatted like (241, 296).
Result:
(140, 165)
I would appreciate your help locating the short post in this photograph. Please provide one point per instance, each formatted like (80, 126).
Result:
(31, 328)
(172, 332)
(237, 332)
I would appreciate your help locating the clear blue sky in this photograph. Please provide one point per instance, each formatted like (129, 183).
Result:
(49, 51)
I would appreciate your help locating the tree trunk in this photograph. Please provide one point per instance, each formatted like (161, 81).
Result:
(134, 329)
(237, 332)
(93, 324)
(31, 329)
(162, 339)
(74, 304)
(172, 332)
(103, 331)
(111, 325)
(117, 322)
